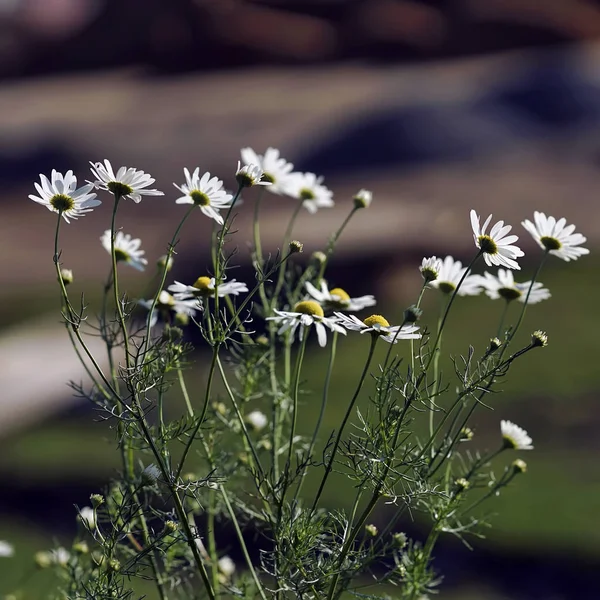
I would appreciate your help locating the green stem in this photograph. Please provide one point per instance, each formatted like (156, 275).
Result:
(286, 241)
(192, 437)
(74, 320)
(533, 280)
(240, 537)
(436, 373)
(258, 261)
(447, 311)
(170, 252)
(332, 242)
(324, 398)
(502, 318)
(296, 385)
(338, 438)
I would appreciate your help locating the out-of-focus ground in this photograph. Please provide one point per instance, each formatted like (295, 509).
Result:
(507, 133)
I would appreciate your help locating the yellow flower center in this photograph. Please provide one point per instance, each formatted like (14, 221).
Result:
(121, 255)
(374, 320)
(342, 295)
(487, 244)
(309, 307)
(199, 198)
(307, 194)
(446, 287)
(119, 189)
(509, 293)
(202, 284)
(62, 202)
(550, 243)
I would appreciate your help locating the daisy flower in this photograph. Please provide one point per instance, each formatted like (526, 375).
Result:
(59, 194)
(205, 287)
(504, 286)
(496, 245)
(127, 183)
(449, 276)
(556, 236)
(305, 314)
(308, 187)
(275, 169)
(127, 249)
(206, 192)
(249, 175)
(337, 298)
(430, 268)
(167, 303)
(6, 549)
(377, 325)
(514, 436)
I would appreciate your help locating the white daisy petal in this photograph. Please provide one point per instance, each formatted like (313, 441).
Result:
(556, 236)
(496, 246)
(515, 437)
(377, 325)
(127, 249)
(310, 188)
(337, 298)
(449, 277)
(275, 169)
(61, 196)
(128, 182)
(504, 286)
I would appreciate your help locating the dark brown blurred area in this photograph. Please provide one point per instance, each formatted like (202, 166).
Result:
(43, 36)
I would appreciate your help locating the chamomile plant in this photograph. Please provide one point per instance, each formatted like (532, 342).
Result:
(253, 466)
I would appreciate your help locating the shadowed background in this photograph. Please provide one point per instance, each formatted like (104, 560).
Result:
(435, 107)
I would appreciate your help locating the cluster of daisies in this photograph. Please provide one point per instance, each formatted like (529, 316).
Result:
(321, 308)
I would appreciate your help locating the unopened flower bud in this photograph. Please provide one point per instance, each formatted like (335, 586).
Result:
(171, 334)
(539, 339)
(519, 466)
(495, 343)
(319, 257)
(257, 420)
(400, 540)
(43, 560)
(113, 565)
(67, 276)
(371, 530)
(96, 500)
(226, 566)
(220, 408)
(296, 247)
(181, 319)
(171, 526)
(262, 340)
(466, 434)
(81, 547)
(412, 314)
(165, 262)
(363, 199)
(462, 484)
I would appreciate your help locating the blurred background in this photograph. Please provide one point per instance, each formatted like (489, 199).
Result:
(437, 107)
